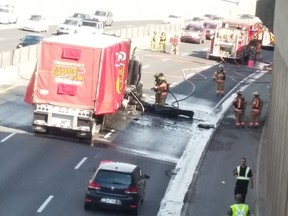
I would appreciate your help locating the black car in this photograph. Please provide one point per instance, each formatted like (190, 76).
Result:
(116, 185)
(30, 39)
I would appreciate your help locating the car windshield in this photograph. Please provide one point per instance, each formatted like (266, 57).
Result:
(78, 15)
(106, 176)
(4, 10)
(100, 13)
(197, 19)
(173, 16)
(210, 26)
(35, 18)
(193, 28)
(71, 22)
(89, 24)
(32, 38)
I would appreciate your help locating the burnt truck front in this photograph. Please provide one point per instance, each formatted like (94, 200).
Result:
(78, 80)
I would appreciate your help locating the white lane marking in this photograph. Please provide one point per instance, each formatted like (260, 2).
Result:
(185, 54)
(80, 163)
(149, 154)
(205, 49)
(7, 137)
(146, 66)
(166, 59)
(109, 134)
(45, 203)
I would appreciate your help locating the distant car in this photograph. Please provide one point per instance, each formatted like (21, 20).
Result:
(82, 16)
(8, 14)
(210, 29)
(116, 185)
(69, 26)
(104, 16)
(36, 23)
(30, 39)
(172, 19)
(91, 27)
(193, 33)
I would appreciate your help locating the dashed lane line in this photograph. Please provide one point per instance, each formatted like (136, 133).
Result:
(80, 163)
(7, 137)
(45, 204)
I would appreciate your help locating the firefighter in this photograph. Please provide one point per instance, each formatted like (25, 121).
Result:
(161, 89)
(175, 41)
(154, 41)
(257, 104)
(162, 42)
(219, 79)
(239, 105)
(239, 208)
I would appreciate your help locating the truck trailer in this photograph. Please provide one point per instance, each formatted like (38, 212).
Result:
(78, 80)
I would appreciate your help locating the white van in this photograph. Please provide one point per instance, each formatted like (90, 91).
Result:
(104, 16)
(7, 14)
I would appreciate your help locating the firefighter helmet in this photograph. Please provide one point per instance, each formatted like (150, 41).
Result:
(239, 93)
(161, 74)
(256, 93)
(156, 75)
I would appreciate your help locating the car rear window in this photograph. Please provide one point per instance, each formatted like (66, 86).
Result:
(106, 176)
(90, 24)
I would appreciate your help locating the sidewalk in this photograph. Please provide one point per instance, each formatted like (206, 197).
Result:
(213, 188)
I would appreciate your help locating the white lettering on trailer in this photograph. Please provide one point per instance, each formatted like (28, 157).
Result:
(45, 204)
(7, 137)
(73, 64)
(80, 163)
(67, 81)
(121, 56)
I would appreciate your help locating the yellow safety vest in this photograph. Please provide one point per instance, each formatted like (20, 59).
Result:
(246, 173)
(240, 209)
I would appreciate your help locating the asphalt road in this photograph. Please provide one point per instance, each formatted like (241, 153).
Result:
(10, 35)
(36, 168)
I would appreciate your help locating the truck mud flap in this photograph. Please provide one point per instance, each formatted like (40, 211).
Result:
(134, 72)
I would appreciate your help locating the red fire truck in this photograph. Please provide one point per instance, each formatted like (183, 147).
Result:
(232, 40)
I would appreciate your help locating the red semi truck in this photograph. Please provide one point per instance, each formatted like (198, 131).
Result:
(78, 80)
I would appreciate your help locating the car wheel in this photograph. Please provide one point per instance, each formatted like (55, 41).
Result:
(87, 206)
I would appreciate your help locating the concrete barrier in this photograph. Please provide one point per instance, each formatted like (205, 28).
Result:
(21, 63)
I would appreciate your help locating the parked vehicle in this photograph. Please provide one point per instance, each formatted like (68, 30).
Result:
(82, 16)
(210, 29)
(79, 81)
(104, 16)
(30, 39)
(116, 185)
(172, 19)
(8, 14)
(69, 26)
(91, 27)
(232, 41)
(36, 23)
(193, 33)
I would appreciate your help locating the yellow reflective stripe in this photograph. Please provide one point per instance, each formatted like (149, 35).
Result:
(240, 209)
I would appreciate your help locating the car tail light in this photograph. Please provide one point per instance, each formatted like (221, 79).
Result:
(94, 185)
(131, 190)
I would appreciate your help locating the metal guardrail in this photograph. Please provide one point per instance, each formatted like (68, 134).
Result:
(21, 55)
